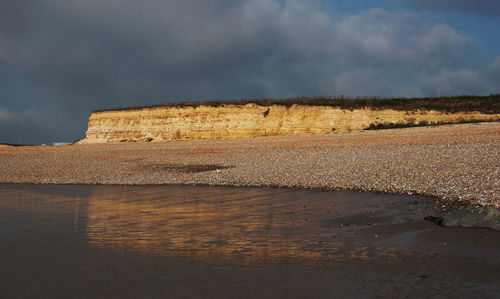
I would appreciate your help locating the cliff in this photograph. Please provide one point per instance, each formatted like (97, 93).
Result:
(235, 120)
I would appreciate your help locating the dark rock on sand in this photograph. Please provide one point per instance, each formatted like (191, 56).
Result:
(486, 217)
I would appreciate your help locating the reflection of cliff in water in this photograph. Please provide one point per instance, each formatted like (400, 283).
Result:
(213, 222)
(229, 222)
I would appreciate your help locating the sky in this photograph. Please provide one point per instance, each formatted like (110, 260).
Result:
(62, 59)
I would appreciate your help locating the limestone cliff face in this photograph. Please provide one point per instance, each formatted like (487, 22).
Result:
(166, 123)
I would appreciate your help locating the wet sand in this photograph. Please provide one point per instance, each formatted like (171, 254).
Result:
(182, 241)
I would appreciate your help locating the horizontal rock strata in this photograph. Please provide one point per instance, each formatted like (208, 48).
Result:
(166, 123)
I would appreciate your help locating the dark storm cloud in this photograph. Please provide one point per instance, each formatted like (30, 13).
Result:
(493, 73)
(489, 7)
(93, 54)
(30, 126)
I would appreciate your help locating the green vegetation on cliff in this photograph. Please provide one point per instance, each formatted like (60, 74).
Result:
(484, 104)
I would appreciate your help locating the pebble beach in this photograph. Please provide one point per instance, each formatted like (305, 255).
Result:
(459, 163)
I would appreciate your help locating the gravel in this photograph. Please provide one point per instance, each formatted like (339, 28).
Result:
(451, 163)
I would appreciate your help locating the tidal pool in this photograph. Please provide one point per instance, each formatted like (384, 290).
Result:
(187, 241)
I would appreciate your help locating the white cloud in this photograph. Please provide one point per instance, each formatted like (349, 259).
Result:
(138, 54)
(97, 54)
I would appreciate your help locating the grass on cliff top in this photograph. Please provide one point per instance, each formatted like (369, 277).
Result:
(485, 104)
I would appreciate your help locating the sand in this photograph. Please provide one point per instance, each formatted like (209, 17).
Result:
(81, 241)
(458, 163)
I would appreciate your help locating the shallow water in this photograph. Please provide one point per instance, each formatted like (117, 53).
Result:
(137, 241)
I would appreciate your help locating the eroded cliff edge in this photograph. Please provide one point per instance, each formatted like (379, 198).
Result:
(234, 120)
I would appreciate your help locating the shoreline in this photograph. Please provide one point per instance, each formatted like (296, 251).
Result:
(449, 205)
(442, 209)
(455, 163)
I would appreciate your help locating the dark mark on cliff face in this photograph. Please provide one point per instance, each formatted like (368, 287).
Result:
(145, 139)
(412, 123)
